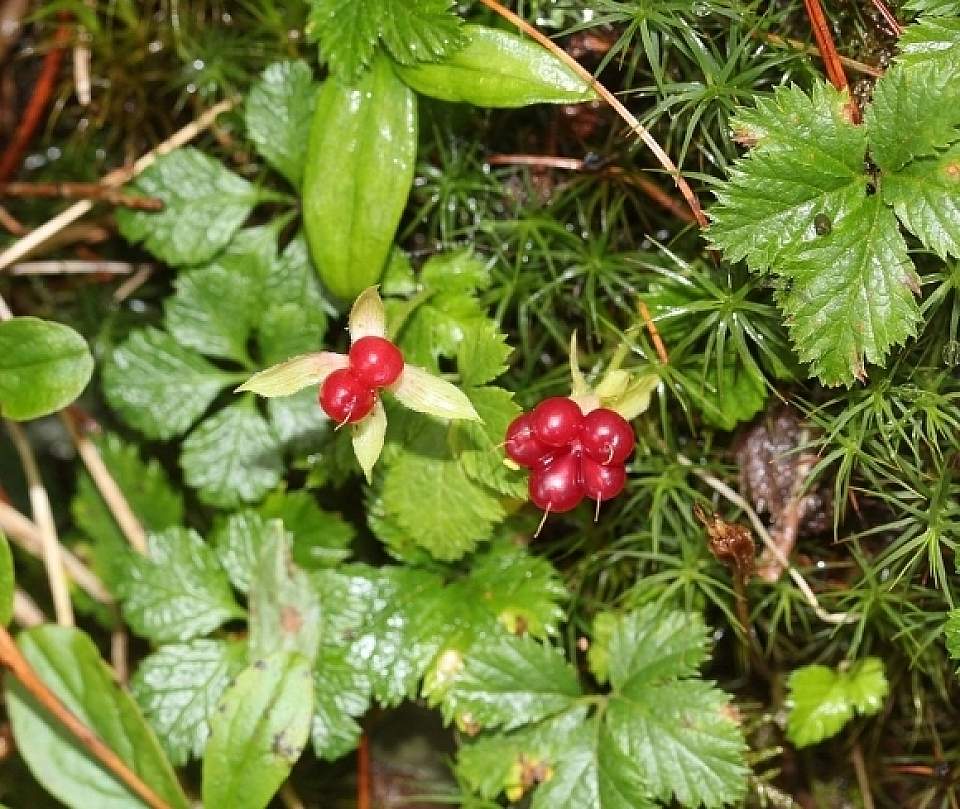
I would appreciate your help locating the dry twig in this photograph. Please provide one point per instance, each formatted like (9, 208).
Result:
(91, 191)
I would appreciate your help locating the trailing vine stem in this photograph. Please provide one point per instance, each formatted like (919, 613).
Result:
(638, 129)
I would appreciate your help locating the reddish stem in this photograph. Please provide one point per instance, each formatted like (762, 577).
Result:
(888, 17)
(37, 106)
(363, 773)
(828, 50)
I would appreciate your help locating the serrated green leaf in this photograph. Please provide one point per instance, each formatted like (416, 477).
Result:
(683, 739)
(342, 693)
(362, 151)
(68, 663)
(320, 538)
(931, 40)
(498, 69)
(233, 457)
(258, 733)
(214, 308)
(424, 478)
(292, 279)
(7, 581)
(477, 445)
(412, 30)
(278, 111)
(179, 686)
(482, 355)
(455, 271)
(159, 387)
(179, 591)
(287, 330)
(915, 111)
(298, 422)
(238, 540)
(926, 198)
(939, 8)
(284, 611)
(510, 681)
(44, 366)
(650, 645)
(204, 205)
(823, 700)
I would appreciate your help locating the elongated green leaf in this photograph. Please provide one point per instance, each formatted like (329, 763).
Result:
(179, 591)
(278, 112)
(179, 686)
(258, 733)
(205, 204)
(233, 457)
(44, 366)
(359, 171)
(7, 582)
(68, 663)
(284, 608)
(498, 69)
(159, 387)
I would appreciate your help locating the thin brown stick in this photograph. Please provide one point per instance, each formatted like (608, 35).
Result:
(363, 773)
(11, 224)
(43, 517)
(37, 106)
(289, 797)
(114, 179)
(19, 667)
(811, 598)
(119, 648)
(27, 537)
(888, 16)
(72, 267)
(812, 50)
(651, 189)
(91, 191)
(25, 610)
(828, 51)
(638, 129)
(654, 334)
(132, 284)
(106, 485)
(863, 777)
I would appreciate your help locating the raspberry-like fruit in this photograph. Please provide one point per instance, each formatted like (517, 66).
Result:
(376, 361)
(556, 421)
(345, 398)
(606, 437)
(556, 487)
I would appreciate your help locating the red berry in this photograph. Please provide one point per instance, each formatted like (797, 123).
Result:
(375, 361)
(556, 421)
(521, 444)
(345, 398)
(556, 487)
(606, 437)
(602, 482)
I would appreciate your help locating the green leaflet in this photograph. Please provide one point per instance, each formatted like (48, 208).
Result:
(44, 366)
(258, 733)
(68, 662)
(360, 165)
(498, 69)
(7, 581)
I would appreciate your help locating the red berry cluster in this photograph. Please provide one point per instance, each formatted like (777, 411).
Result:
(570, 455)
(348, 395)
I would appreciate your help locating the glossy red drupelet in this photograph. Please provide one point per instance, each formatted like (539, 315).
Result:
(345, 398)
(376, 361)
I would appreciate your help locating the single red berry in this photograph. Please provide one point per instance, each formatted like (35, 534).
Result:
(345, 398)
(607, 437)
(376, 362)
(602, 481)
(556, 487)
(522, 445)
(556, 421)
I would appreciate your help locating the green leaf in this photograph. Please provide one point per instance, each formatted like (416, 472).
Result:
(278, 111)
(287, 330)
(939, 8)
(215, 308)
(510, 681)
(926, 197)
(823, 700)
(204, 205)
(915, 111)
(159, 387)
(320, 538)
(931, 41)
(683, 739)
(342, 693)
(44, 366)
(179, 686)
(412, 30)
(7, 581)
(362, 151)
(292, 279)
(258, 733)
(478, 444)
(424, 478)
(498, 69)
(233, 457)
(284, 609)
(68, 663)
(178, 592)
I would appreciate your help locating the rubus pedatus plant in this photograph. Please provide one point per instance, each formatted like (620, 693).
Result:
(283, 601)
